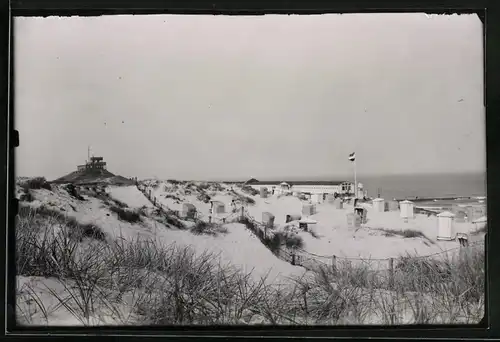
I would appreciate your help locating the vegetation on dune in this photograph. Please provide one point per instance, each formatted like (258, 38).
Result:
(176, 182)
(30, 184)
(275, 241)
(71, 190)
(174, 197)
(127, 215)
(36, 183)
(249, 190)
(242, 199)
(167, 284)
(202, 227)
(203, 197)
(46, 241)
(405, 233)
(27, 196)
(174, 221)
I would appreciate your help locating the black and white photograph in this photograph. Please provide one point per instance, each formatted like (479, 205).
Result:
(292, 170)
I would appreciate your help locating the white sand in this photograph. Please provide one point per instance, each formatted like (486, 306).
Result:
(130, 195)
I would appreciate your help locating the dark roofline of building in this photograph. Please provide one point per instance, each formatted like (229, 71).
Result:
(292, 183)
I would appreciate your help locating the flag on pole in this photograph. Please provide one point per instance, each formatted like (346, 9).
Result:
(352, 156)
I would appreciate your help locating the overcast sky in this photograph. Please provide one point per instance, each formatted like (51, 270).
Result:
(217, 97)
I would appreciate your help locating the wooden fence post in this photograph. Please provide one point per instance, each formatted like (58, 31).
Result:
(391, 273)
(154, 201)
(334, 263)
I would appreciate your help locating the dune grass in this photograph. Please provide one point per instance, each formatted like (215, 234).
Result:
(146, 282)
(406, 233)
(127, 215)
(212, 228)
(36, 183)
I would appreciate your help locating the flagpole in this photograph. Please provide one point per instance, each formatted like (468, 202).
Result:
(355, 180)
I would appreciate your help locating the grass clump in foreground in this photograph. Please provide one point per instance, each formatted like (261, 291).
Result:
(35, 184)
(202, 227)
(145, 282)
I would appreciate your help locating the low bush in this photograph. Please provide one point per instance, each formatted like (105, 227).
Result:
(71, 189)
(120, 204)
(126, 215)
(175, 285)
(202, 227)
(203, 197)
(176, 182)
(406, 233)
(174, 197)
(289, 240)
(249, 190)
(36, 183)
(27, 196)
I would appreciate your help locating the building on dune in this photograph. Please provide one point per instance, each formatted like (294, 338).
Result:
(92, 163)
(322, 188)
(95, 163)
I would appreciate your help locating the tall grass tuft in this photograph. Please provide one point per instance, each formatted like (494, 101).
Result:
(36, 183)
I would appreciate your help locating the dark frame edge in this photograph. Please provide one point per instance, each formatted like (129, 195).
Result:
(492, 34)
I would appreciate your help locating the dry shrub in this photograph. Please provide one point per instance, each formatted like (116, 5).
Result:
(249, 190)
(202, 227)
(406, 233)
(35, 184)
(175, 285)
(130, 216)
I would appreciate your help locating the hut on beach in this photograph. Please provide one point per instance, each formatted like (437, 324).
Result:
(188, 211)
(406, 208)
(378, 205)
(445, 226)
